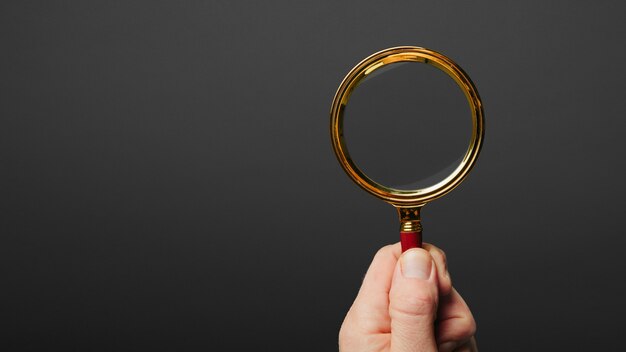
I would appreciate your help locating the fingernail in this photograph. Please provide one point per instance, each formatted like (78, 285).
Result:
(447, 346)
(416, 264)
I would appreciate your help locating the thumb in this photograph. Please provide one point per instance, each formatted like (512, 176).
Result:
(413, 299)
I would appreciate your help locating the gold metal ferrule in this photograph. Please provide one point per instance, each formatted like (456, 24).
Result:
(410, 219)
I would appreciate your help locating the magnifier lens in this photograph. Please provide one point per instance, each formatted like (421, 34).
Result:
(407, 125)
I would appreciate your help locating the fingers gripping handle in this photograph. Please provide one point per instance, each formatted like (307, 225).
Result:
(410, 227)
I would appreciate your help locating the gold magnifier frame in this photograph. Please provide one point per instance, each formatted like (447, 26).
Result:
(408, 202)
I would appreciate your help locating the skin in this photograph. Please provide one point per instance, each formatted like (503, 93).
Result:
(400, 311)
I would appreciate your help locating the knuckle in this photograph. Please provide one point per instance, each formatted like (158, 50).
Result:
(346, 333)
(460, 329)
(444, 256)
(381, 251)
(384, 251)
(471, 327)
(440, 254)
(442, 265)
(466, 328)
(415, 304)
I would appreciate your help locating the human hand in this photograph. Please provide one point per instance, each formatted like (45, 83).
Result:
(407, 303)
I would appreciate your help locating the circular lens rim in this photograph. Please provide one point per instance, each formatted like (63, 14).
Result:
(398, 197)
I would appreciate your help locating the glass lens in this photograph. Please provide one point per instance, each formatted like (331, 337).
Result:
(407, 125)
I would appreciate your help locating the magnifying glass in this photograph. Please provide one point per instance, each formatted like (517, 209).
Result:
(408, 136)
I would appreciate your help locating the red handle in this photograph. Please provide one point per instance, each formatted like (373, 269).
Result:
(410, 240)
(410, 227)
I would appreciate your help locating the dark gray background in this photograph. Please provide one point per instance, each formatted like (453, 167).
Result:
(167, 180)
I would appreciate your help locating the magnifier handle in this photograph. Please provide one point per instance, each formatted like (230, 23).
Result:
(410, 227)
(410, 239)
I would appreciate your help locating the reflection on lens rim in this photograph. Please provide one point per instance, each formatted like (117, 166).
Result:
(374, 62)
